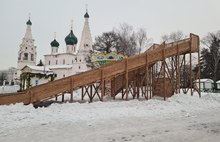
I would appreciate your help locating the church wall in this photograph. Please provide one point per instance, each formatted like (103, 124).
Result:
(60, 59)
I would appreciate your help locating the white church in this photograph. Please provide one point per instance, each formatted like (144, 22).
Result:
(56, 65)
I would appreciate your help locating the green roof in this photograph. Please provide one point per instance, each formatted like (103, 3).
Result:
(71, 39)
(86, 15)
(29, 22)
(54, 43)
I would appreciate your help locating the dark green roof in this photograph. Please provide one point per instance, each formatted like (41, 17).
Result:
(71, 39)
(29, 22)
(54, 43)
(86, 15)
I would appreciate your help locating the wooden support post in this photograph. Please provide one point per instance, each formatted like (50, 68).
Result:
(151, 82)
(126, 78)
(164, 75)
(199, 91)
(184, 74)
(137, 85)
(62, 97)
(114, 86)
(178, 70)
(90, 94)
(190, 60)
(146, 86)
(71, 91)
(82, 95)
(102, 85)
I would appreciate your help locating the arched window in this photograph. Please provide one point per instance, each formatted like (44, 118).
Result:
(25, 56)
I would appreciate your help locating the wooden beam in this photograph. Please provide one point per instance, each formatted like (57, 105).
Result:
(126, 79)
(147, 72)
(190, 62)
(102, 85)
(71, 89)
(164, 75)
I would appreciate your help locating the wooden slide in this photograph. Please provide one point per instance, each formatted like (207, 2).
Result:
(112, 71)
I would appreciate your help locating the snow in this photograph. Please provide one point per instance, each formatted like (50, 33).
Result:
(181, 118)
(204, 80)
(9, 89)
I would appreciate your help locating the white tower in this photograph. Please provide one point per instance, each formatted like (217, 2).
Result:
(86, 38)
(27, 53)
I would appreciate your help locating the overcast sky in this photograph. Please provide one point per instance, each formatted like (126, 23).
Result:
(158, 17)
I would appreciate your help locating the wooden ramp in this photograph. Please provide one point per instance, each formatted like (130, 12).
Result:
(133, 72)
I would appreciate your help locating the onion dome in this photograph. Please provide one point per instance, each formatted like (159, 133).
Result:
(54, 43)
(29, 22)
(86, 15)
(71, 39)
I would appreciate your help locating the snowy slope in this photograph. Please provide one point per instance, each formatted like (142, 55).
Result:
(15, 118)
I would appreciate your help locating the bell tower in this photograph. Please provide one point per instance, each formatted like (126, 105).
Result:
(27, 52)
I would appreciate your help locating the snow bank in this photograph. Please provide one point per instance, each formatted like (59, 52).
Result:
(19, 116)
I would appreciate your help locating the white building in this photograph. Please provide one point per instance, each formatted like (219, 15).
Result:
(218, 85)
(205, 84)
(71, 62)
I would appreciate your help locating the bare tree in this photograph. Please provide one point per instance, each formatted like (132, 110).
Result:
(106, 42)
(142, 39)
(127, 39)
(172, 37)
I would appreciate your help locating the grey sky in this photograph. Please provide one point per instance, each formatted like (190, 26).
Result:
(158, 17)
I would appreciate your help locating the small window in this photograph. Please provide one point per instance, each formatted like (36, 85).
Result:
(25, 47)
(49, 62)
(63, 61)
(19, 57)
(72, 61)
(36, 82)
(32, 57)
(80, 60)
(64, 75)
(79, 67)
(56, 62)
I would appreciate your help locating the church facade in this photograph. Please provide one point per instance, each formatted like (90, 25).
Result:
(70, 62)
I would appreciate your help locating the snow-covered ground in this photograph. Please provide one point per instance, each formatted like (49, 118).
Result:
(180, 118)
